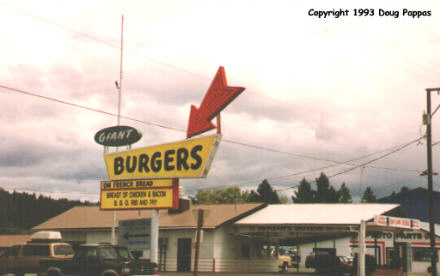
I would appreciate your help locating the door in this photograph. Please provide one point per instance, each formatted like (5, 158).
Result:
(8, 259)
(184, 255)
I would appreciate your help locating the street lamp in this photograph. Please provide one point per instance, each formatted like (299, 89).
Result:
(427, 121)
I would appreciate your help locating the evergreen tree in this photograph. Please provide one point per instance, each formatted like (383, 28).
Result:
(344, 194)
(21, 211)
(324, 192)
(305, 194)
(266, 193)
(369, 195)
(333, 195)
(253, 197)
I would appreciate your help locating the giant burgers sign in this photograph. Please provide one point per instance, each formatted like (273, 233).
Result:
(189, 158)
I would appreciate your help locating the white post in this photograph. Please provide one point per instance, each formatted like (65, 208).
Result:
(361, 247)
(154, 236)
(113, 236)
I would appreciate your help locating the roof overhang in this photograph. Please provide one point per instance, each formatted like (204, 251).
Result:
(308, 220)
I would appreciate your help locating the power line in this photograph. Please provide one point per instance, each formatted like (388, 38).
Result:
(88, 108)
(378, 158)
(117, 47)
(167, 64)
(393, 150)
(400, 147)
(182, 130)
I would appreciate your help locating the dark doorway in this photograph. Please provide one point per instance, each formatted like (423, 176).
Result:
(184, 255)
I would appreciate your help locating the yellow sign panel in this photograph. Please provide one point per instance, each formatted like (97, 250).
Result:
(136, 183)
(189, 158)
(131, 197)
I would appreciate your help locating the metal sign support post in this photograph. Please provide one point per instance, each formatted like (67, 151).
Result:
(154, 235)
(199, 227)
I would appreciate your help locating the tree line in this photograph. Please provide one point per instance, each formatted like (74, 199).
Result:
(19, 212)
(324, 193)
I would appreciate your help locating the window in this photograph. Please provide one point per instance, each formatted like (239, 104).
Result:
(13, 251)
(62, 250)
(108, 253)
(91, 254)
(124, 253)
(36, 250)
(245, 250)
(267, 250)
(421, 254)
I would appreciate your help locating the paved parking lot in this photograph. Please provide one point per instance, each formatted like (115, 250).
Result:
(238, 274)
(379, 272)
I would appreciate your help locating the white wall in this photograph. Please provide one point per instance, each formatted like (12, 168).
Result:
(206, 248)
(79, 236)
(98, 236)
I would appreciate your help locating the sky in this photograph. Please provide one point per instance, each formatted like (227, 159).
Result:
(343, 96)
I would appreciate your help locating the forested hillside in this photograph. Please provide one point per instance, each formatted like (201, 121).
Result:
(19, 212)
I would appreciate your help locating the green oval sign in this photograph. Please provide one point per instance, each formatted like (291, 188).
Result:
(117, 136)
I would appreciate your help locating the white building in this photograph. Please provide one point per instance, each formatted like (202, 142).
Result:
(244, 237)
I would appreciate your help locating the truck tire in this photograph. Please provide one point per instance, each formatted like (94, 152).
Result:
(284, 267)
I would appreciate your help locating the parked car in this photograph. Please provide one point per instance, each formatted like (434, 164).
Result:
(287, 258)
(370, 264)
(98, 260)
(325, 261)
(284, 260)
(25, 258)
(310, 260)
(344, 264)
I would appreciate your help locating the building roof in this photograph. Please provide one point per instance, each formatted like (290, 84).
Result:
(425, 227)
(347, 214)
(91, 217)
(10, 240)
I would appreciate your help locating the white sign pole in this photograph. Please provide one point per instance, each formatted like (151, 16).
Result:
(361, 247)
(154, 235)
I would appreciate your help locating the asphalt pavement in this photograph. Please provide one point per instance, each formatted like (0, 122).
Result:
(290, 273)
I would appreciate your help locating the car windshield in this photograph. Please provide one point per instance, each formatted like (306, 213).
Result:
(283, 251)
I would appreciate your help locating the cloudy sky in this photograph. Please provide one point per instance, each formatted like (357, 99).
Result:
(344, 96)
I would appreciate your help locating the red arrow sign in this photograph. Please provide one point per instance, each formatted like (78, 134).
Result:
(218, 96)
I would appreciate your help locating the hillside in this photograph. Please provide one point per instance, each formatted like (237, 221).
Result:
(19, 212)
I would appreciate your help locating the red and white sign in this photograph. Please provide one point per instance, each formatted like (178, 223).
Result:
(218, 96)
(397, 222)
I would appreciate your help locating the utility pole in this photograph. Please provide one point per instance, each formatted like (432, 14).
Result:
(119, 87)
(427, 121)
